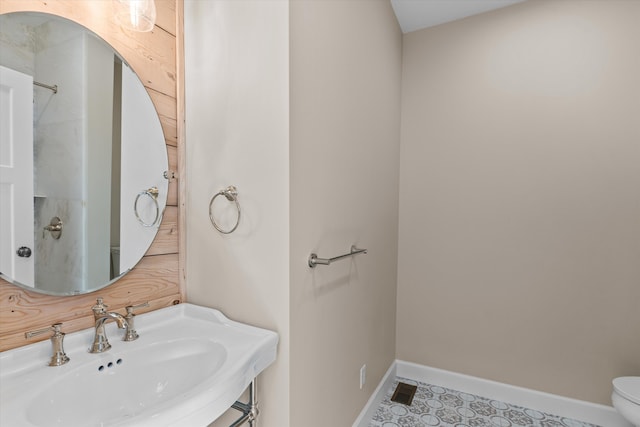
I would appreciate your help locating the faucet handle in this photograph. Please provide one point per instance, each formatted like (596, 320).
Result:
(59, 357)
(100, 307)
(130, 334)
(55, 328)
(130, 308)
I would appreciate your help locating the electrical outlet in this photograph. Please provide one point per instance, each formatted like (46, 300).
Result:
(363, 375)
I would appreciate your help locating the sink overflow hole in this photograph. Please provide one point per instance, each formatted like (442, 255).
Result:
(109, 365)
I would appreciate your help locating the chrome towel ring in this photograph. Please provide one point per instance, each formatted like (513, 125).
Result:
(231, 194)
(152, 193)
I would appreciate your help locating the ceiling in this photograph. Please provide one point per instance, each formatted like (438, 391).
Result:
(418, 14)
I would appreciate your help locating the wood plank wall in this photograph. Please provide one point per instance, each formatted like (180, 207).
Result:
(158, 277)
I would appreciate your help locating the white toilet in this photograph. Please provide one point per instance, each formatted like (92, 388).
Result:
(626, 398)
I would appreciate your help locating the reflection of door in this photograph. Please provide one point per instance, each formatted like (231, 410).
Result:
(141, 129)
(16, 174)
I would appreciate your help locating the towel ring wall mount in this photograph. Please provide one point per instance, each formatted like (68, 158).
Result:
(231, 194)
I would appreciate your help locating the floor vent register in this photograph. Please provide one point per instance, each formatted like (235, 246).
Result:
(404, 393)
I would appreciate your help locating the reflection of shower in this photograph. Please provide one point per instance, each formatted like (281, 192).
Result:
(114, 266)
(41, 101)
(53, 88)
(55, 228)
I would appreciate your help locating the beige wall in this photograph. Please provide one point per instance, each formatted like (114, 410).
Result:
(345, 65)
(519, 251)
(237, 86)
(299, 108)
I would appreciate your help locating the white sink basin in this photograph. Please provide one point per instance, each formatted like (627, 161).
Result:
(189, 365)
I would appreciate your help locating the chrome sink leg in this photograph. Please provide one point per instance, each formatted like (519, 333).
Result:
(250, 409)
(253, 403)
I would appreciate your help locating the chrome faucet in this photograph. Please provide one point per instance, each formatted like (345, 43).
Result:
(101, 315)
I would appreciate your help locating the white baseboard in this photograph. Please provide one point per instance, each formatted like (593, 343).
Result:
(545, 402)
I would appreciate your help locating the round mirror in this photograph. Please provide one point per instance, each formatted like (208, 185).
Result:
(83, 159)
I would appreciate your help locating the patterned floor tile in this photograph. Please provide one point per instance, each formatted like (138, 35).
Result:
(438, 406)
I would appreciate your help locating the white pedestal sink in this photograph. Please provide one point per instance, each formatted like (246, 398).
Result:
(189, 365)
